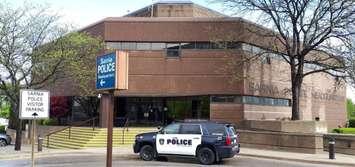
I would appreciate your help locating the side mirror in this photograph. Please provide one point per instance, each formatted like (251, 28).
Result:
(160, 130)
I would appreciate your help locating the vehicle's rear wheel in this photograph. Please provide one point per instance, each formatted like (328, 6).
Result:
(2, 143)
(147, 153)
(206, 156)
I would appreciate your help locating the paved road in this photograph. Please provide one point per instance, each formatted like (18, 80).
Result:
(99, 161)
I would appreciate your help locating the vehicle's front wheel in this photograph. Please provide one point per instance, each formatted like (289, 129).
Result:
(206, 156)
(2, 143)
(147, 153)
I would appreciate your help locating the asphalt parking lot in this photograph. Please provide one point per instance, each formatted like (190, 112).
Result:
(99, 160)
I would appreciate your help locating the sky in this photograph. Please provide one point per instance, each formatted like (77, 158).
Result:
(84, 12)
(81, 13)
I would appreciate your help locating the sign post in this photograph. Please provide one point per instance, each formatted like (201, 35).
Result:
(34, 104)
(33, 138)
(111, 75)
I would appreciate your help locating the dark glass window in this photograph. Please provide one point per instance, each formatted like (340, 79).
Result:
(233, 45)
(171, 129)
(158, 46)
(190, 129)
(190, 45)
(203, 45)
(251, 100)
(173, 49)
(143, 46)
(282, 102)
(216, 129)
(223, 99)
(218, 45)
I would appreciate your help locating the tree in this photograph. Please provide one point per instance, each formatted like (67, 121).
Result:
(4, 107)
(316, 33)
(59, 106)
(35, 51)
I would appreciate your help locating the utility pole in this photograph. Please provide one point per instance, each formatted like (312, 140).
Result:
(33, 139)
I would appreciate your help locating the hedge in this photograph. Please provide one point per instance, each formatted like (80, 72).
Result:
(352, 123)
(49, 121)
(2, 129)
(344, 130)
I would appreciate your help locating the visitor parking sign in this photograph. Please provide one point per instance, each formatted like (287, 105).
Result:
(34, 104)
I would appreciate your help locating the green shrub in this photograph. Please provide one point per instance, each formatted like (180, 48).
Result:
(344, 130)
(352, 123)
(336, 130)
(49, 121)
(2, 129)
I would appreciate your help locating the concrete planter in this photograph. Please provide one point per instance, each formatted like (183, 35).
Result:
(286, 126)
(293, 142)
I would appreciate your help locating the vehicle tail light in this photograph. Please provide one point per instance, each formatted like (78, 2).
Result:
(228, 140)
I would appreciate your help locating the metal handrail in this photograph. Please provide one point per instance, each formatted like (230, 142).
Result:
(79, 123)
(123, 129)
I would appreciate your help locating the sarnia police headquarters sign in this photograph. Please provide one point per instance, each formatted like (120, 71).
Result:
(106, 71)
(34, 102)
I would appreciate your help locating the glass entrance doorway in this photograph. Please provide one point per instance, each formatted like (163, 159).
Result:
(161, 110)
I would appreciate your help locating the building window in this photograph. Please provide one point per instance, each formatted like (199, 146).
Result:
(203, 45)
(233, 45)
(190, 45)
(158, 46)
(129, 46)
(218, 45)
(113, 45)
(223, 99)
(143, 46)
(254, 100)
(173, 49)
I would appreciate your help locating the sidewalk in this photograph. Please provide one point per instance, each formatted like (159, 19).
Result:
(127, 152)
(8, 152)
(320, 158)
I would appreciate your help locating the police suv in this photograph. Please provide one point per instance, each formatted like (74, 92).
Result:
(208, 141)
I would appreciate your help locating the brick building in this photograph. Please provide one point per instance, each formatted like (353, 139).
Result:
(182, 65)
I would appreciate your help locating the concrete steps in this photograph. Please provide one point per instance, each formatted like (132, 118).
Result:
(84, 137)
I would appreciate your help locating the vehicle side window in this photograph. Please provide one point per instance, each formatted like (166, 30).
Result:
(190, 129)
(231, 131)
(216, 129)
(171, 129)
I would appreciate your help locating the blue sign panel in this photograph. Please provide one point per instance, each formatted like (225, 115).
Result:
(106, 71)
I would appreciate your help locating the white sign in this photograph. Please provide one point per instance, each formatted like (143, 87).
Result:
(34, 104)
(4, 121)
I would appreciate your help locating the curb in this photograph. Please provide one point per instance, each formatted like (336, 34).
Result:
(298, 160)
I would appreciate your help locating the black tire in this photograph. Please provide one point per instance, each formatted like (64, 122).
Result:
(206, 156)
(2, 143)
(147, 153)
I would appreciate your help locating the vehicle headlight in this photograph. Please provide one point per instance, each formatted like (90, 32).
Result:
(139, 137)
